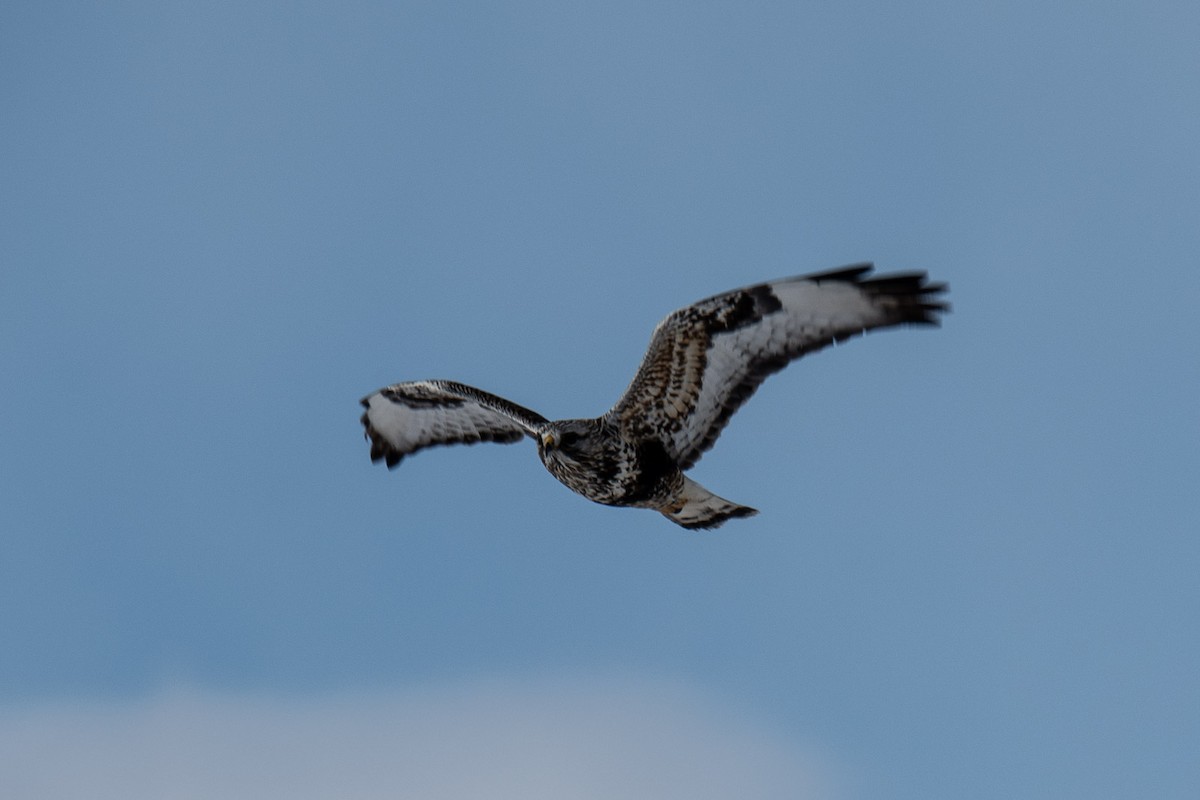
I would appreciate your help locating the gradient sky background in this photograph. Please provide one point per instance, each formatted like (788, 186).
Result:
(975, 570)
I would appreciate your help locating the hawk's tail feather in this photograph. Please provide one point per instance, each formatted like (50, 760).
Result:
(697, 508)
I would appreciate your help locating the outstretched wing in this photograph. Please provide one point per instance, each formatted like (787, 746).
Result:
(407, 417)
(705, 360)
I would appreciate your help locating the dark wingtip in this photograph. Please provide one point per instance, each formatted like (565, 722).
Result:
(918, 300)
(380, 449)
(915, 300)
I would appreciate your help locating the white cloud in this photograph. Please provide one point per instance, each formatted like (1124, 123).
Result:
(494, 740)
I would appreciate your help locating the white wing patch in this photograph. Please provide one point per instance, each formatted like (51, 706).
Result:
(813, 315)
(406, 417)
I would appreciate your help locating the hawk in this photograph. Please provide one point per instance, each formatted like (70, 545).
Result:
(703, 363)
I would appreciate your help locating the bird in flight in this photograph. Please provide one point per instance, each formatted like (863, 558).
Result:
(703, 363)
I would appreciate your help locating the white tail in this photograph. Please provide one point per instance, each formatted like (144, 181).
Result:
(697, 507)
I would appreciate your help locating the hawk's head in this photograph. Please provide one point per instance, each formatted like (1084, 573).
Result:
(570, 439)
(577, 452)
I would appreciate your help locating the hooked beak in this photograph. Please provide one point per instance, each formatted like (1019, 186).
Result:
(548, 440)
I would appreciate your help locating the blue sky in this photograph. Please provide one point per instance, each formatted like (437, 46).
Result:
(974, 573)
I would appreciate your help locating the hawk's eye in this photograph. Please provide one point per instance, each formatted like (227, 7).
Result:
(568, 439)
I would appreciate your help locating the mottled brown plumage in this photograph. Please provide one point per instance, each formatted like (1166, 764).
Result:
(704, 361)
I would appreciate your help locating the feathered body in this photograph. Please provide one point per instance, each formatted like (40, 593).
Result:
(703, 363)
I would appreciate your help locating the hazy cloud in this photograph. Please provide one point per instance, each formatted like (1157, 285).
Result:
(582, 739)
